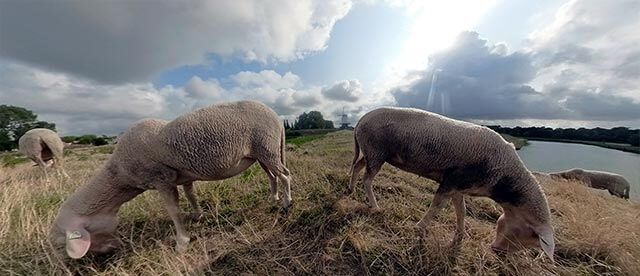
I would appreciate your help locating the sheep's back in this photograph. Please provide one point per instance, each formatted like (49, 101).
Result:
(206, 141)
(428, 140)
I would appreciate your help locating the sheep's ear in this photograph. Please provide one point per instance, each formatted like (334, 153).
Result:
(78, 243)
(545, 237)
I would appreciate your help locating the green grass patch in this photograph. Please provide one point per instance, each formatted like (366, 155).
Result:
(12, 160)
(304, 139)
(48, 202)
(104, 149)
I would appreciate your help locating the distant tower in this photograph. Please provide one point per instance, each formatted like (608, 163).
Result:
(344, 120)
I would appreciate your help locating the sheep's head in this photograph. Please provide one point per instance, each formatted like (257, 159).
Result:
(82, 234)
(516, 231)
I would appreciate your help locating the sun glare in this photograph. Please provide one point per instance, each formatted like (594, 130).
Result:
(435, 26)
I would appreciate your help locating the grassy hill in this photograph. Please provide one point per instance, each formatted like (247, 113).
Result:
(325, 232)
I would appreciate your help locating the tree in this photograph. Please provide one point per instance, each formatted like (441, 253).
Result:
(14, 122)
(312, 120)
(328, 124)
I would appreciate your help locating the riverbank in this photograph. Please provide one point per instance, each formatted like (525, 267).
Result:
(621, 147)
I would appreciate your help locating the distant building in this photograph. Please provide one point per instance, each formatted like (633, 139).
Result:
(344, 121)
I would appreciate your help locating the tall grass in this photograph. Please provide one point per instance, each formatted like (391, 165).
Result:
(326, 231)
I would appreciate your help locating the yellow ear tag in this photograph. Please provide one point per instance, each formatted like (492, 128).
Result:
(74, 235)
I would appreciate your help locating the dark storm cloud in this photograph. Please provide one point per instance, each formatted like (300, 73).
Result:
(474, 80)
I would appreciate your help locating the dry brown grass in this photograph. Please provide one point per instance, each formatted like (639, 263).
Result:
(326, 231)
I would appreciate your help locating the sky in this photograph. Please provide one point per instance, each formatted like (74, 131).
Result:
(97, 67)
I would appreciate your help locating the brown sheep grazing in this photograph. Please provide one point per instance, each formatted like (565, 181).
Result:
(463, 158)
(614, 183)
(212, 143)
(42, 145)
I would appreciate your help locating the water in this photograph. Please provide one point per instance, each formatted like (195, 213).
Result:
(553, 156)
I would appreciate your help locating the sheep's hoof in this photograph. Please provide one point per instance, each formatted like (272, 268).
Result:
(196, 216)
(274, 197)
(182, 244)
(421, 232)
(350, 190)
(457, 238)
(286, 204)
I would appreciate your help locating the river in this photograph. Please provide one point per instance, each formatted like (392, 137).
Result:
(554, 156)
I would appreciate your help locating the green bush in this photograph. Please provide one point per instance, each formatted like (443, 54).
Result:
(99, 141)
(69, 139)
(11, 160)
(86, 139)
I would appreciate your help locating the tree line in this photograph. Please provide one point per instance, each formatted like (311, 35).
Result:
(621, 135)
(310, 120)
(15, 121)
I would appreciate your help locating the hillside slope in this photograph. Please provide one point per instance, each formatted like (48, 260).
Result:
(326, 231)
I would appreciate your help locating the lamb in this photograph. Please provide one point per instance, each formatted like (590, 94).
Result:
(614, 183)
(212, 143)
(42, 145)
(463, 158)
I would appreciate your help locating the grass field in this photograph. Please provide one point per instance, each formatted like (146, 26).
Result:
(326, 231)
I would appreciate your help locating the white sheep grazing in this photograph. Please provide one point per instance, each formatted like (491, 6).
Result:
(42, 145)
(614, 183)
(463, 158)
(212, 143)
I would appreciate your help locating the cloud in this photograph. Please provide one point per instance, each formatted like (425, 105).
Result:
(590, 47)
(80, 106)
(346, 90)
(477, 81)
(583, 66)
(118, 42)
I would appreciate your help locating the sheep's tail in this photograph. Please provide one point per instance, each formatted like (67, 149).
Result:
(283, 159)
(357, 153)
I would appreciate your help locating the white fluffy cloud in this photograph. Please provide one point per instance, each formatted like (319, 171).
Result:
(124, 41)
(80, 106)
(346, 90)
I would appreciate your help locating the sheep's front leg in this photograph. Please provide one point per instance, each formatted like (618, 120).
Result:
(458, 203)
(170, 196)
(439, 200)
(191, 196)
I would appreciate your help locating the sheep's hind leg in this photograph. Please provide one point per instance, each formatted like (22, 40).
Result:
(58, 165)
(355, 170)
(43, 165)
(170, 196)
(439, 200)
(191, 196)
(286, 180)
(458, 203)
(273, 180)
(369, 174)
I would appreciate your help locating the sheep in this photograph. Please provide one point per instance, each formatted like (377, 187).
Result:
(43, 145)
(463, 158)
(212, 143)
(614, 183)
